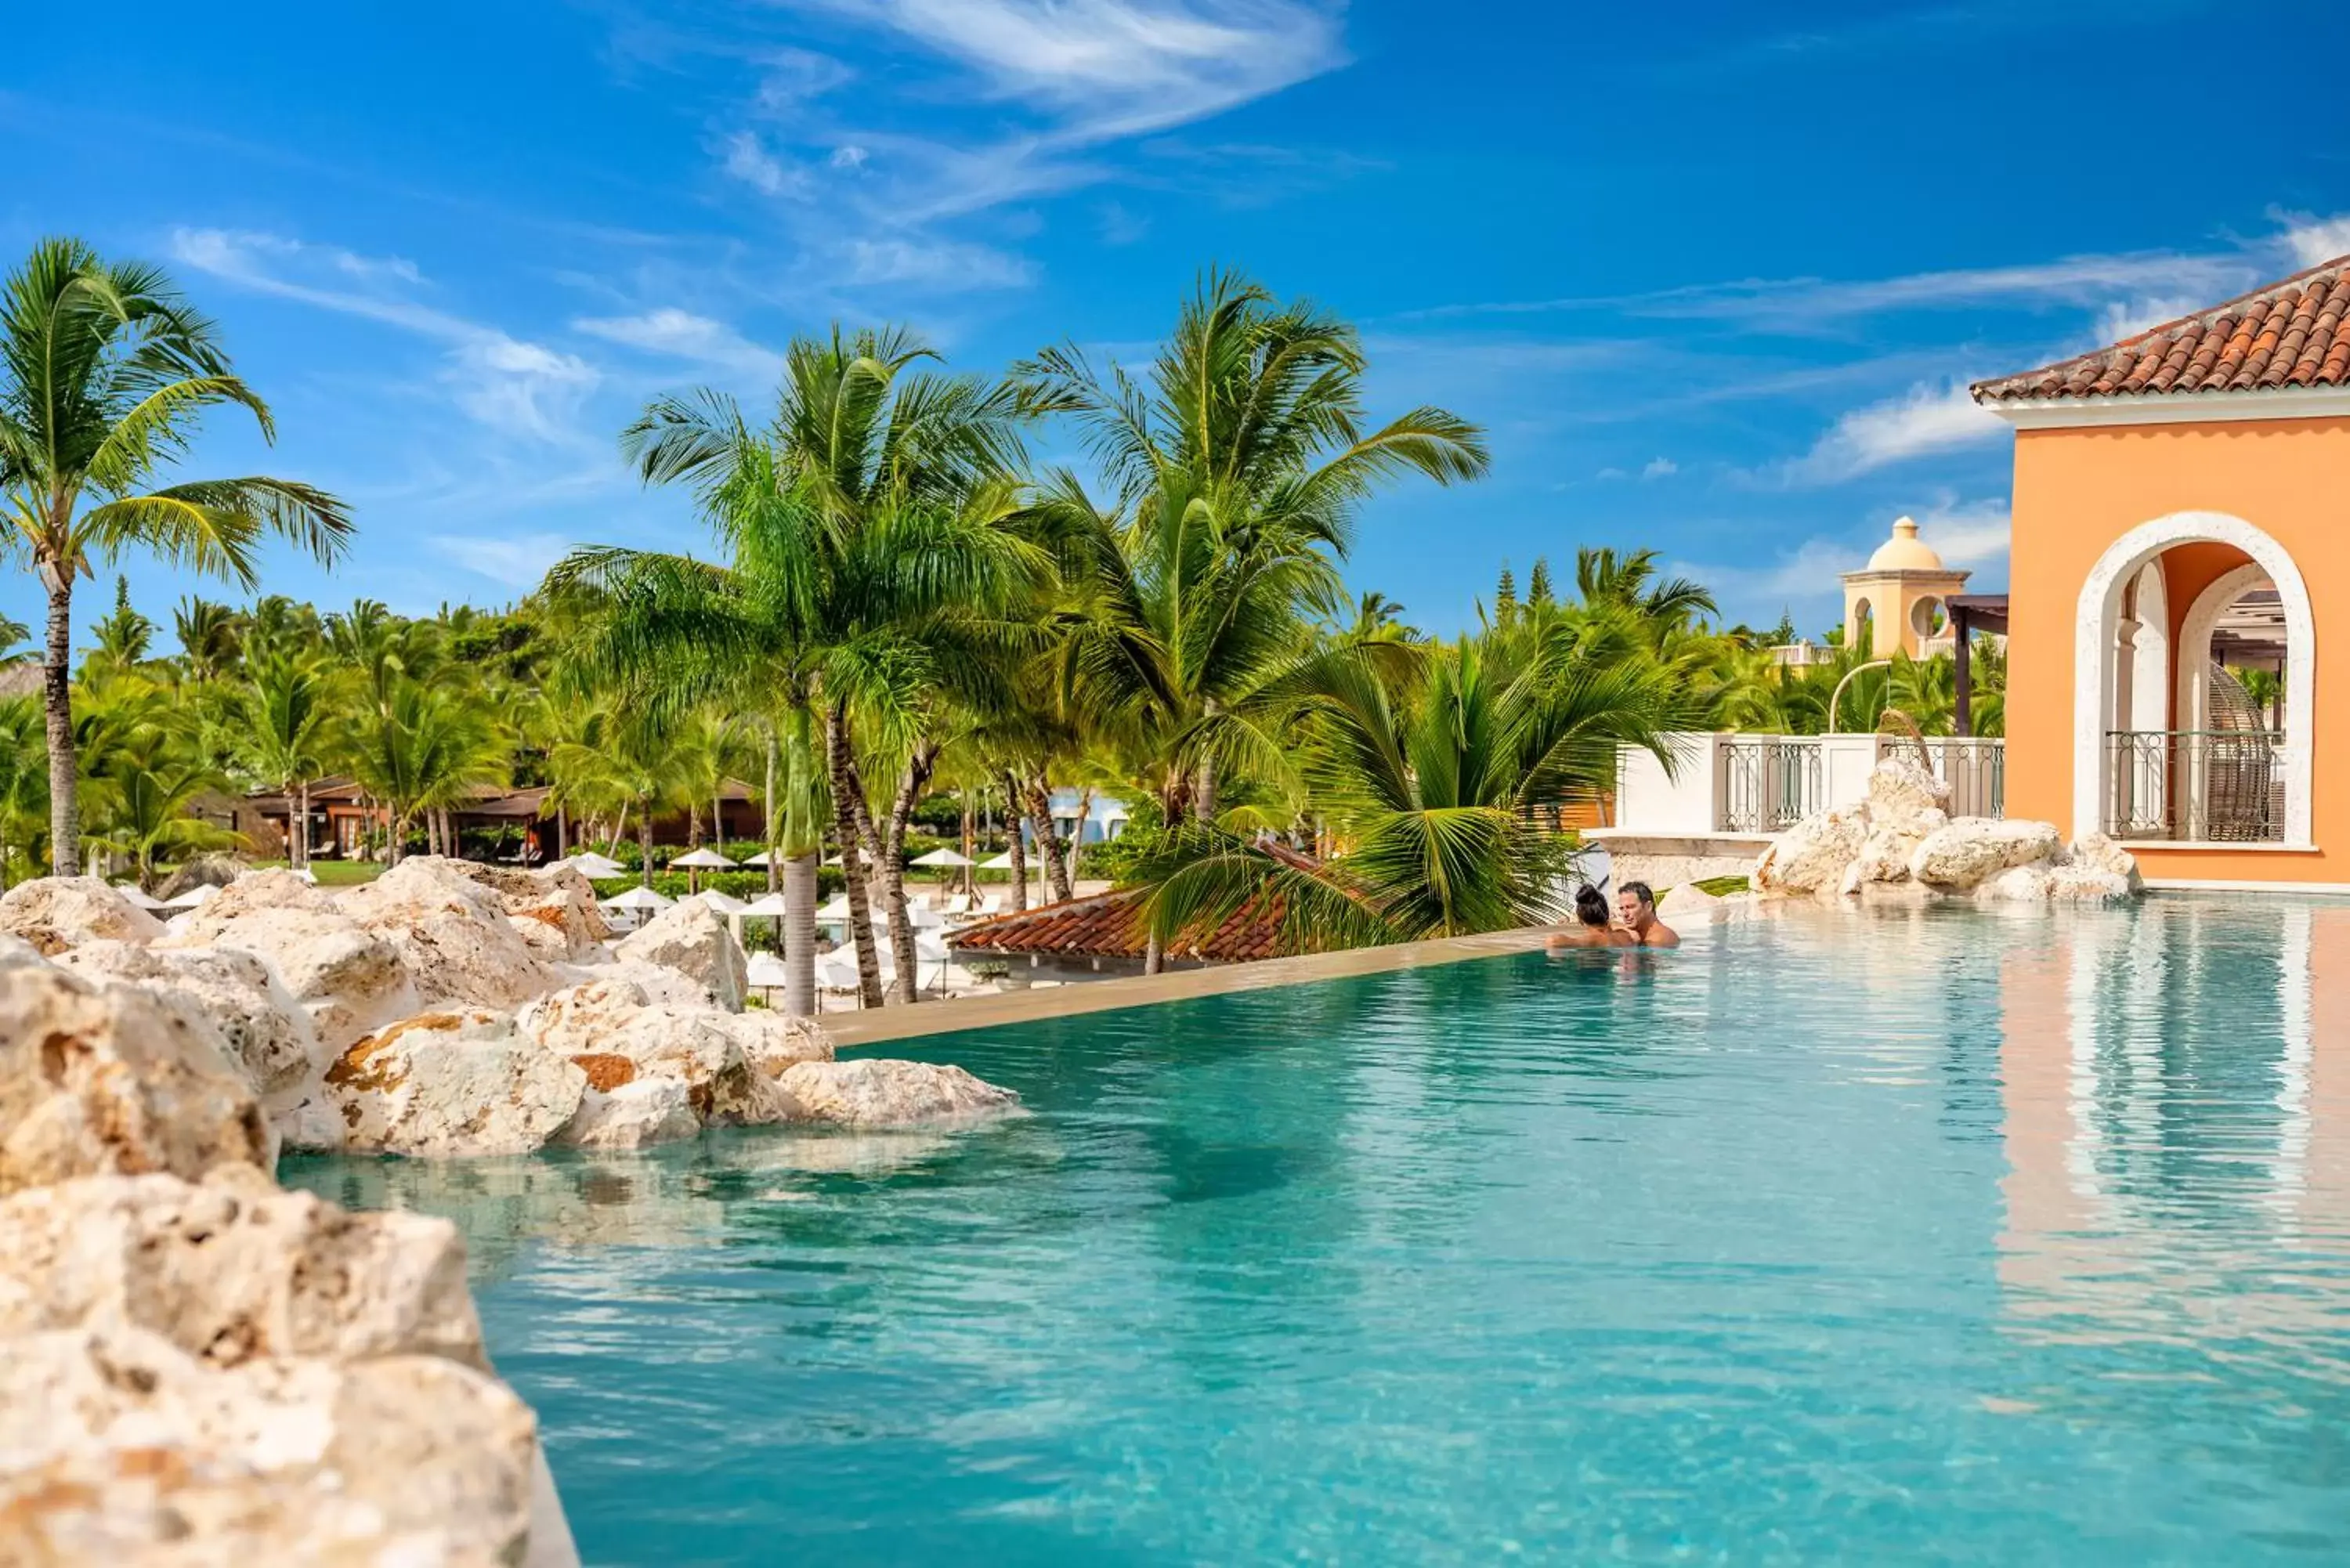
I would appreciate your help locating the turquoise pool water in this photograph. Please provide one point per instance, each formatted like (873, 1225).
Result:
(1899, 1238)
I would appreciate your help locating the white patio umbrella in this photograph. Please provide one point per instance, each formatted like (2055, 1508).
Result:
(763, 858)
(138, 896)
(837, 909)
(192, 898)
(595, 867)
(767, 906)
(943, 857)
(702, 859)
(766, 972)
(637, 899)
(1001, 863)
(724, 903)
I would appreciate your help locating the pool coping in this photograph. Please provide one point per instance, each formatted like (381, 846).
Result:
(877, 1025)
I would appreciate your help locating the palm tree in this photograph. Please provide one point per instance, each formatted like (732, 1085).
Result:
(142, 805)
(626, 758)
(1427, 774)
(1629, 583)
(422, 750)
(104, 370)
(209, 636)
(24, 784)
(1236, 472)
(874, 508)
(278, 725)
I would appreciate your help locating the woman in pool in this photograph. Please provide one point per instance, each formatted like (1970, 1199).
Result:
(1591, 927)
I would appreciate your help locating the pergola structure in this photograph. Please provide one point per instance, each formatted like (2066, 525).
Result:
(1971, 613)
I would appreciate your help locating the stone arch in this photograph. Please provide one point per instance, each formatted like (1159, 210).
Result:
(2096, 643)
(1860, 628)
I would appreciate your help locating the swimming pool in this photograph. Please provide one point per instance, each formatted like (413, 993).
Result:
(1906, 1236)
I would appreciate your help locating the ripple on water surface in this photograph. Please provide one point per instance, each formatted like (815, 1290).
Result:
(1900, 1237)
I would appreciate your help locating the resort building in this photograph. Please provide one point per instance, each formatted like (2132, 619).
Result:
(2181, 531)
(1899, 603)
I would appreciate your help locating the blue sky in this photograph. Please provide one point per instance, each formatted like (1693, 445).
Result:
(1713, 278)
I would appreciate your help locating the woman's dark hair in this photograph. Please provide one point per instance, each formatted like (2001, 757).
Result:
(1590, 905)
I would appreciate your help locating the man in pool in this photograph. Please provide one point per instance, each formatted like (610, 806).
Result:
(1636, 906)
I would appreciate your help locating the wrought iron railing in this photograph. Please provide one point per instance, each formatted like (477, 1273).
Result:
(2210, 786)
(1974, 766)
(1771, 782)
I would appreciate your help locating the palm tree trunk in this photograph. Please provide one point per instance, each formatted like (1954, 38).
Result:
(847, 796)
(1078, 842)
(56, 696)
(1203, 795)
(645, 839)
(908, 983)
(1018, 848)
(1154, 954)
(799, 934)
(303, 837)
(1048, 839)
(767, 805)
(562, 833)
(718, 819)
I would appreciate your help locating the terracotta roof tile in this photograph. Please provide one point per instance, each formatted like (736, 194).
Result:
(1109, 925)
(2291, 334)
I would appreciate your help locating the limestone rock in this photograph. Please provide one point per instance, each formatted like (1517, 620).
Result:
(349, 980)
(1812, 855)
(869, 1092)
(2095, 852)
(613, 1017)
(268, 1035)
(217, 869)
(15, 951)
(443, 1084)
(773, 1041)
(692, 938)
(55, 913)
(234, 1268)
(255, 890)
(2091, 884)
(2016, 885)
(101, 1077)
(453, 934)
(554, 909)
(125, 1449)
(655, 1108)
(1901, 792)
(1961, 855)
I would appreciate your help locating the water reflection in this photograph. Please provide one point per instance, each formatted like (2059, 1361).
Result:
(2179, 1135)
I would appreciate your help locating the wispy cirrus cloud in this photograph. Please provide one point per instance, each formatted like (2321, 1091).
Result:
(1002, 101)
(517, 386)
(518, 561)
(682, 335)
(2312, 239)
(1927, 418)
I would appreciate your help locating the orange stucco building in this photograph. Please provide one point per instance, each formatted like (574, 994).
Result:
(2179, 614)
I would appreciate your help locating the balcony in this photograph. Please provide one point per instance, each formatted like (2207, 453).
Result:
(1756, 785)
(2196, 786)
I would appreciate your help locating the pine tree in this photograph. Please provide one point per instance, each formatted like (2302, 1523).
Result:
(1505, 598)
(1538, 591)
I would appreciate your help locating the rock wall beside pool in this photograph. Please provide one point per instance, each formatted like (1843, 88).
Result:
(1900, 841)
(200, 1368)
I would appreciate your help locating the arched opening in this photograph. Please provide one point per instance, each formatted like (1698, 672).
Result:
(1860, 629)
(2194, 726)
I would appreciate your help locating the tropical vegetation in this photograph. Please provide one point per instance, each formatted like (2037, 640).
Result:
(903, 633)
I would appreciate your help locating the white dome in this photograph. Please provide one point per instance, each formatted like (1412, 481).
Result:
(1905, 551)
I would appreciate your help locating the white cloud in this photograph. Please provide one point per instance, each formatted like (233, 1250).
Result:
(1120, 225)
(2128, 317)
(794, 78)
(748, 160)
(668, 330)
(2312, 239)
(1926, 419)
(1120, 68)
(850, 156)
(520, 388)
(1969, 534)
(1660, 468)
(1611, 473)
(935, 264)
(519, 561)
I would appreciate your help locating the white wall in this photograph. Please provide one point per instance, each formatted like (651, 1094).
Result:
(1687, 800)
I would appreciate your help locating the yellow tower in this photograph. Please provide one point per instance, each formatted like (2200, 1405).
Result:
(1896, 603)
